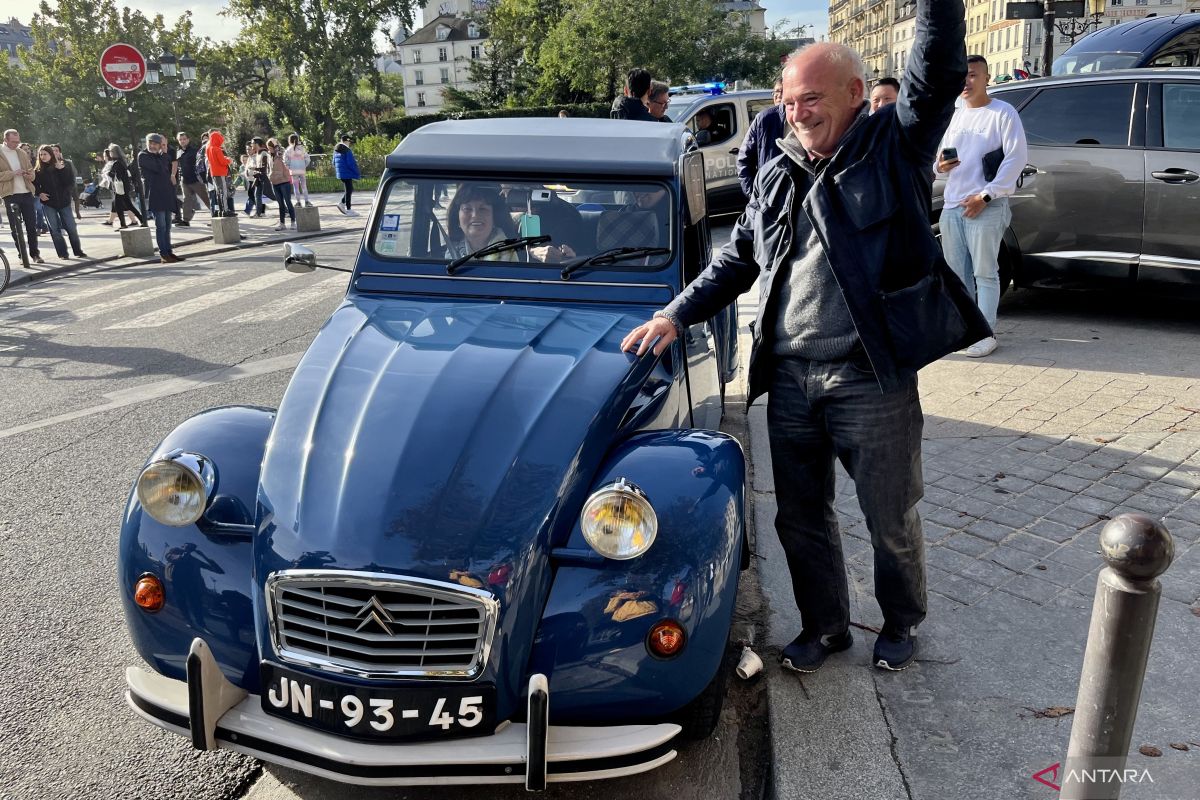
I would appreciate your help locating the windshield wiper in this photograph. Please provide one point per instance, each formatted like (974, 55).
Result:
(496, 247)
(608, 257)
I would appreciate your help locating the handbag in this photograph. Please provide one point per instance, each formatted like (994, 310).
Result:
(118, 186)
(991, 164)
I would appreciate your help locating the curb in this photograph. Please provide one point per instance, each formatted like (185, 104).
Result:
(66, 269)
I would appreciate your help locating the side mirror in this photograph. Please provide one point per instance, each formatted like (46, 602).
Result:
(298, 258)
(703, 138)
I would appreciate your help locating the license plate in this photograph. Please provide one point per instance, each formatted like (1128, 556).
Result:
(391, 714)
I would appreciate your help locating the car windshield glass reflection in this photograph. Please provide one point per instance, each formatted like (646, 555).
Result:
(475, 224)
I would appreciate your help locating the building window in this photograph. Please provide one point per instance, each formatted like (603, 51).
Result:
(473, 30)
(419, 77)
(416, 56)
(1143, 2)
(420, 98)
(445, 75)
(442, 56)
(476, 51)
(1167, 2)
(442, 33)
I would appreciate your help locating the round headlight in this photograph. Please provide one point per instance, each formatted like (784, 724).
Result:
(173, 490)
(618, 521)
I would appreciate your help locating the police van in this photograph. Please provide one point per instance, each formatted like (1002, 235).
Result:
(729, 117)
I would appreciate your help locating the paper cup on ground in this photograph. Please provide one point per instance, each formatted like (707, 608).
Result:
(749, 665)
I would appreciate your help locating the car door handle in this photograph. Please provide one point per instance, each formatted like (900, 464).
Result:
(1029, 170)
(1176, 175)
(733, 151)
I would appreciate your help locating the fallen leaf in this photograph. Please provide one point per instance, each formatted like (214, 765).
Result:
(1196, 611)
(1000, 476)
(1150, 750)
(1102, 440)
(1053, 712)
(1040, 566)
(1179, 746)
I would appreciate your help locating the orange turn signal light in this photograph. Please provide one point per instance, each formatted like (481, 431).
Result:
(148, 593)
(666, 639)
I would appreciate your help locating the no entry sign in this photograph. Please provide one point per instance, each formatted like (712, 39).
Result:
(123, 67)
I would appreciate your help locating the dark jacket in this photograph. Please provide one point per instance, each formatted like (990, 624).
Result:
(759, 146)
(631, 108)
(344, 165)
(57, 184)
(869, 204)
(200, 173)
(156, 176)
(187, 163)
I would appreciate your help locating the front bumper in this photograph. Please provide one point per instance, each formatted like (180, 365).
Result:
(513, 754)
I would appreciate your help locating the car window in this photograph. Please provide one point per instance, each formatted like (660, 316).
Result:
(755, 107)
(1075, 63)
(1015, 97)
(721, 123)
(1095, 114)
(1181, 116)
(439, 219)
(1182, 51)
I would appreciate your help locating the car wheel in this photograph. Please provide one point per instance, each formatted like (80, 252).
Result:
(699, 718)
(1005, 270)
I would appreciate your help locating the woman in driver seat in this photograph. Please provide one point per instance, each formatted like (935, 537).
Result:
(478, 217)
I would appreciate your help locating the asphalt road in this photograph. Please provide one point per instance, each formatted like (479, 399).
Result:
(96, 368)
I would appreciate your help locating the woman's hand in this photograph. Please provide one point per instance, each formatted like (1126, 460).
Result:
(551, 254)
(658, 328)
(43, 197)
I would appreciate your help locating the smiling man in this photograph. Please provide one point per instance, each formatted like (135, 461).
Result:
(854, 298)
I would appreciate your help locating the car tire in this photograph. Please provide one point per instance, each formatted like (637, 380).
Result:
(699, 718)
(1005, 270)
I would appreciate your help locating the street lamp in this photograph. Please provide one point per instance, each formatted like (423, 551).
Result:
(152, 72)
(187, 66)
(168, 64)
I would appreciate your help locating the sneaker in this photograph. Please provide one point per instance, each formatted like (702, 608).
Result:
(281, 227)
(38, 259)
(808, 652)
(82, 255)
(308, 204)
(182, 224)
(984, 347)
(895, 650)
(293, 224)
(342, 207)
(168, 259)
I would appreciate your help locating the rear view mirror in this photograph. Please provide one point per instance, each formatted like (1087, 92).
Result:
(298, 258)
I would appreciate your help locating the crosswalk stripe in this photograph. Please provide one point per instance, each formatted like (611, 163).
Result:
(293, 303)
(132, 299)
(195, 305)
(25, 307)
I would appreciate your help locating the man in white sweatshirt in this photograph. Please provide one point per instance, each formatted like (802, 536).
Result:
(987, 153)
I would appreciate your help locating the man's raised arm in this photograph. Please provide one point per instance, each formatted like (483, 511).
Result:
(937, 68)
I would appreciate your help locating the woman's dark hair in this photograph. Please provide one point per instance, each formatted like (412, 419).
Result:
(293, 138)
(40, 165)
(488, 194)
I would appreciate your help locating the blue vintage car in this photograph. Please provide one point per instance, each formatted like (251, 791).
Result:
(476, 542)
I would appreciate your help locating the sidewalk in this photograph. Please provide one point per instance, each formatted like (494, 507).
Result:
(103, 244)
(1026, 455)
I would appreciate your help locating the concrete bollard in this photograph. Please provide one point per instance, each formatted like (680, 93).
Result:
(1137, 550)
(308, 219)
(136, 242)
(226, 230)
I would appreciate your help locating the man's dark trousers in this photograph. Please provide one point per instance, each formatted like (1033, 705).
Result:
(818, 411)
(24, 201)
(162, 232)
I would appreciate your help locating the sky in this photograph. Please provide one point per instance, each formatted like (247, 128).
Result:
(208, 23)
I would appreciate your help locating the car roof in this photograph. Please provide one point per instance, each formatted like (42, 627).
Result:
(1136, 36)
(571, 146)
(1107, 76)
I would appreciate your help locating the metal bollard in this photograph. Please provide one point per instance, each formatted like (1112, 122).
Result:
(1137, 550)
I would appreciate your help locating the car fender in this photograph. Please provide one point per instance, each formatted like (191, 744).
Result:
(592, 639)
(204, 567)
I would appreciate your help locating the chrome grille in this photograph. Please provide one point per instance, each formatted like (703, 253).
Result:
(380, 626)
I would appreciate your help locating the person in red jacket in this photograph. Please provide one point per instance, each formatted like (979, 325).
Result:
(218, 172)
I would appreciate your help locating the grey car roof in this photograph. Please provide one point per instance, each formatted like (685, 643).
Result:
(1105, 76)
(573, 146)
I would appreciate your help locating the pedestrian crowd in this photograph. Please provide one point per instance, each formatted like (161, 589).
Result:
(167, 182)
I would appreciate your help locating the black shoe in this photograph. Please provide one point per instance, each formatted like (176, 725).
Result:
(182, 224)
(895, 649)
(808, 652)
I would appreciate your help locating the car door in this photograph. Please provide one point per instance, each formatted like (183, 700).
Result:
(1081, 213)
(1171, 233)
(720, 152)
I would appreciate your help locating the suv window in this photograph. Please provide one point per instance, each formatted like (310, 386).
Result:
(1181, 116)
(721, 124)
(755, 107)
(1014, 97)
(1096, 114)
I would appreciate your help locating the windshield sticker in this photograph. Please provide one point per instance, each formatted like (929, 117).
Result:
(385, 248)
(391, 222)
(387, 236)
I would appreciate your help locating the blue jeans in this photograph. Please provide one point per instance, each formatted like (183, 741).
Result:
(972, 249)
(60, 220)
(162, 231)
(818, 411)
(283, 199)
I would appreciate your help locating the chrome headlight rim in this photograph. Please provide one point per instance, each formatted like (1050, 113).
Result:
(198, 467)
(624, 490)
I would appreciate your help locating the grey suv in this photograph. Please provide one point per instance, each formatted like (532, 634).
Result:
(1112, 188)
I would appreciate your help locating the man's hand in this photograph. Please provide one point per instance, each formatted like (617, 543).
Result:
(945, 166)
(974, 206)
(172, 180)
(658, 328)
(43, 197)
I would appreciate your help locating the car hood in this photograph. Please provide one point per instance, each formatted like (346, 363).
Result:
(444, 440)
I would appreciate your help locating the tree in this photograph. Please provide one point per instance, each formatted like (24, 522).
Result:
(320, 48)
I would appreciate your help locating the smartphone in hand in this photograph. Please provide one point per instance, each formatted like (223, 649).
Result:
(949, 154)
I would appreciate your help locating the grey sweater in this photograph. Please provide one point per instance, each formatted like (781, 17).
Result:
(813, 320)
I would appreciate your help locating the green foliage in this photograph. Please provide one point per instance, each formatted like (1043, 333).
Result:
(402, 126)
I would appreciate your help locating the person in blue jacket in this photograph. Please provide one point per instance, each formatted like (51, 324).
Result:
(760, 144)
(345, 169)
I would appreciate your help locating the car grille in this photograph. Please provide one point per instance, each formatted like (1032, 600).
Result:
(380, 626)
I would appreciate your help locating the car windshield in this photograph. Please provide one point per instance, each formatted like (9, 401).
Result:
(1077, 63)
(470, 224)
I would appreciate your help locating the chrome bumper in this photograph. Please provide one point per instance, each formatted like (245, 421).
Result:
(214, 714)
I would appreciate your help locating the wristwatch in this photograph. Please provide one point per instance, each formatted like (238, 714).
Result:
(987, 198)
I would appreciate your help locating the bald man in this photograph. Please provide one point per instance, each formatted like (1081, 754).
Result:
(854, 298)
